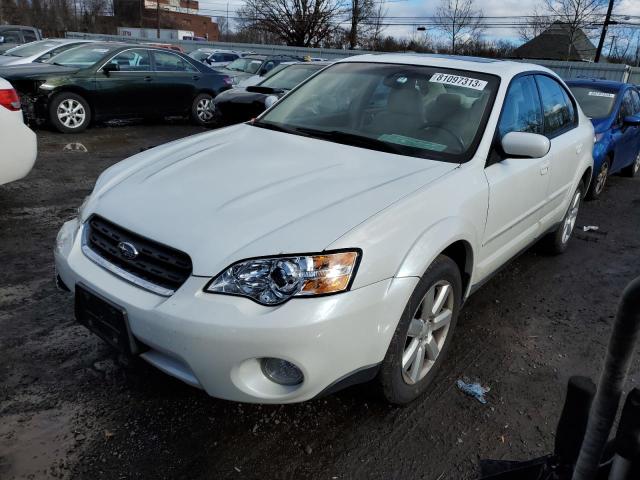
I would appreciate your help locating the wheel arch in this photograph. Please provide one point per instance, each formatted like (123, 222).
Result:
(452, 237)
(586, 179)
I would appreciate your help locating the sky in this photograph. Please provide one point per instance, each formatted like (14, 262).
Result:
(413, 9)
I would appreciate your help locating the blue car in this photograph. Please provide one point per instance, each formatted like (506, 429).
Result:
(614, 110)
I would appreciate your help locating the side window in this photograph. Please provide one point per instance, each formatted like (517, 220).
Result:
(170, 62)
(217, 57)
(132, 61)
(559, 112)
(521, 110)
(230, 57)
(11, 36)
(29, 36)
(636, 102)
(266, 68)
(627, 108)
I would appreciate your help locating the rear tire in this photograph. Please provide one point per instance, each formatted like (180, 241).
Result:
(633, 169)
(597, 185)
(69, 112)
(423, 334)
(557, 241)
(201, 113)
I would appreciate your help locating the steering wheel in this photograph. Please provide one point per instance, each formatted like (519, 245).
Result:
(451, 133)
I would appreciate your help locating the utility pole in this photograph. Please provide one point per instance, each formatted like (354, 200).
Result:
(227, 21)
(603, 34)
(158, 17)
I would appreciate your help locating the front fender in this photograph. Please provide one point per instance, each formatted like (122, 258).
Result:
(435, 240)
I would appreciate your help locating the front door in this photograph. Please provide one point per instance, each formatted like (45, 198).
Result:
(517, 186)
(626, 147)
(126, 91)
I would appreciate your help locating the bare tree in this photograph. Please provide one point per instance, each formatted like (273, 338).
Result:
(303, 23)
(534, 24)
(366, 18)
(459, 21)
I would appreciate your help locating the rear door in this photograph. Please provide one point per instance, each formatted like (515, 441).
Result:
(127, 91)
(175, 80)
(517, 186)
(560, 127)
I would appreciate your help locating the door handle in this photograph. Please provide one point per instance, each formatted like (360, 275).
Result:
(196, 77)
(148, 78)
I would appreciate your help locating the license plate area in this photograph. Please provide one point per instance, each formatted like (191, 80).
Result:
(105, 319)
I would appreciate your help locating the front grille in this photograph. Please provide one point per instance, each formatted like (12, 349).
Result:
(156, 267)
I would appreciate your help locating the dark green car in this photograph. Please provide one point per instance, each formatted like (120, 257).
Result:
(103, 81)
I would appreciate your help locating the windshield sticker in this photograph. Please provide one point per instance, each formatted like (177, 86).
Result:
(458, 81)
(602, 94)
(412, 142)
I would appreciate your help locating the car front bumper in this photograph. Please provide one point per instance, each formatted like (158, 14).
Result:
(215, 341)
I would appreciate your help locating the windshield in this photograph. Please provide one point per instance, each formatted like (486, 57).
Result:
(247, 65)
(81, 57)
(411, 110)
(33, 48)
(595, 102)
(290, 76)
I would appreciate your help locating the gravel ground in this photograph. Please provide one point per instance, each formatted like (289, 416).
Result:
(69, 409)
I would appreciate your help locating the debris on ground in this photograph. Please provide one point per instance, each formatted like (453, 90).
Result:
(474, 390)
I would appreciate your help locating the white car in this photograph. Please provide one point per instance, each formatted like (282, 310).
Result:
(335, 239)
(17, 142)
(39, 51)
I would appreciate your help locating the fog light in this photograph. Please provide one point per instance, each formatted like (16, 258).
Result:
(281, 372)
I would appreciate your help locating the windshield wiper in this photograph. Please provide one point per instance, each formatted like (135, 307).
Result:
(277, 127)
(347, 138)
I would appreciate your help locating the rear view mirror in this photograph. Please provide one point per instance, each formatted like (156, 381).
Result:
(632, 120)
(523, 144)
(110, 67)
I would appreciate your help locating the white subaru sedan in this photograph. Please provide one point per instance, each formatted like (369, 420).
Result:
(334, 239)
(18, 145)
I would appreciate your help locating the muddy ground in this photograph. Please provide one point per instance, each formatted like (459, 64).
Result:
(68, 409)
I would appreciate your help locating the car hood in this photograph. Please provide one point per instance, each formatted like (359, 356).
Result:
(34, 71)
(244, 191)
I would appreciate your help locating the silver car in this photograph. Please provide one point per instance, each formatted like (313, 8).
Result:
(38, 51)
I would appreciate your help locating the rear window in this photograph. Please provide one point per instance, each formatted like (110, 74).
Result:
(30, 49)
(595, 102)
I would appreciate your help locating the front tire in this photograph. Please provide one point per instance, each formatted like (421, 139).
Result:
(69, 113)
(597, 185)
(557, 241)
(633, 169)
(423, 334)
(201, 112)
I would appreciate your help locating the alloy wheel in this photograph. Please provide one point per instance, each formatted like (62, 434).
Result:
(203, 110)
(601, 179)
(570, 219)
(71, 113)
(427, 332)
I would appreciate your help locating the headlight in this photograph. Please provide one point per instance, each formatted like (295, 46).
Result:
(274, 280)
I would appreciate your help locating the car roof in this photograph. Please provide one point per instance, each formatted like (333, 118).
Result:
(501, 68)
(609, 84)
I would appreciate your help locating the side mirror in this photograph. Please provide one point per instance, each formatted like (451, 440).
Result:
(632, 120)
(523, 144)
(1, 39)
(110, 67)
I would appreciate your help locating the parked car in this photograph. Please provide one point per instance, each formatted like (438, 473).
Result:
(103, 81)
(250, 65)
(221, 58)
(200, 54)
(335, 239)
(614, 109)
(13, 35)
(38, 51)
(242, 104)
(19, 147)
(169, 46)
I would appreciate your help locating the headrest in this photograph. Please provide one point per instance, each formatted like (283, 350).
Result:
(404, 100)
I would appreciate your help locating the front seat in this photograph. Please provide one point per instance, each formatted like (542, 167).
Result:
(403, 114)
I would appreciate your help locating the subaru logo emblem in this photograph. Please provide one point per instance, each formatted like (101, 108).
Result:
(128, 250)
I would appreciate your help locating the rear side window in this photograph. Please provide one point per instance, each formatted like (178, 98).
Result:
(558, 109)
(11, 36)
(170, 62)
(627, 108)
(521, 111)
(29, 36)
(636, 101)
